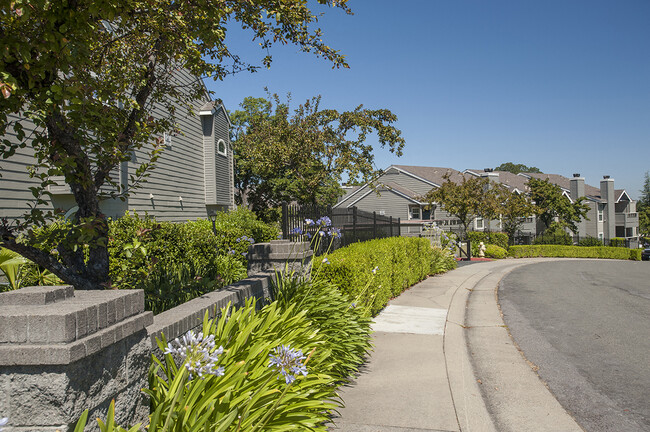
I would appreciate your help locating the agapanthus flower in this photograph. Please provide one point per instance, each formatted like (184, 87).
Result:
(198, 354)
(326, 261)
(374, 271)
(324, 221)
(232, 251)
(297, 230)
(310, 222)
(3, 422)
(288, 361)
(335, 232)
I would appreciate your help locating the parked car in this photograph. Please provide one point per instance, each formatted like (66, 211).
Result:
(645, 255)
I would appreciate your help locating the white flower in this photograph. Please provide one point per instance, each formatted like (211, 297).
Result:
(3, 422)
(198, 354)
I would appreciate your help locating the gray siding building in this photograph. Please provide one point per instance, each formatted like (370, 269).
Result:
(192, 178)
(399, 191)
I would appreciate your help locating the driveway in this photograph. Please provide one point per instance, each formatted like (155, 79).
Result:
(585, 324)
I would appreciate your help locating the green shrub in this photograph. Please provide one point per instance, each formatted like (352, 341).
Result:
(635, 254)
(570, 252)
(590, 241)
(442, 261)
(343, 324)
(494, 251)
(175, 262)
(617, 242)
(495, 238)
(398, 263)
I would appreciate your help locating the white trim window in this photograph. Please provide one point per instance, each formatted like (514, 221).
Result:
(222, 149)
(601, 208)
(480, 224)
(414, 212)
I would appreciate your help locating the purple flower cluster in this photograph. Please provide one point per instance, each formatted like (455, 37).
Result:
(288, 361)
(251, 240)
(198, 354)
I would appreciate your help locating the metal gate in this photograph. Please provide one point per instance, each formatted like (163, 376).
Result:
(465, 251)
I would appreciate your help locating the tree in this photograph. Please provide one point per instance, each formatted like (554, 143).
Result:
(465, 200)
(514, 208)
(303, 156)
(644, 198)
(88, 73)
(551, 203)
(517, 168)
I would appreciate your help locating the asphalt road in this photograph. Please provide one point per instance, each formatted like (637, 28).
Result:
(585, 324)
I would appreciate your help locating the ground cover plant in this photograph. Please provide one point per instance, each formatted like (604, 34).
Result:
(561, 251)
(272, 369)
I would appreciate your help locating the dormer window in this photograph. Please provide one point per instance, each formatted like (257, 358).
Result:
(221, 147)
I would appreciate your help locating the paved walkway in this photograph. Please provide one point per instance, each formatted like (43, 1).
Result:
(443, 361)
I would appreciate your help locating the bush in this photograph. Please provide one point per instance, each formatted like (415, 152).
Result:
(635, 254)
(176, 262)
(311, 320)
(617, 242)
(494, 251)
(590, 241)
(398, 263)
(572, 252)
(495, 238)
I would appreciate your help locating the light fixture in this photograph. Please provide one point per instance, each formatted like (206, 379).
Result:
(150, 196)
(213, 218)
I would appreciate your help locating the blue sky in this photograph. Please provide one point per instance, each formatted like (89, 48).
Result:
(561, 85)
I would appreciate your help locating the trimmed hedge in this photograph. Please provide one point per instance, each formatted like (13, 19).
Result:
(495, 238)
(375, 271)
(574, 252)
(494, 251)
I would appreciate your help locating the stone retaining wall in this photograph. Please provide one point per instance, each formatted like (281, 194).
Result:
(63, 351)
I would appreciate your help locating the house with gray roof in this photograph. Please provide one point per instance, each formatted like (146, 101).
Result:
(399, 190)
(192, 178)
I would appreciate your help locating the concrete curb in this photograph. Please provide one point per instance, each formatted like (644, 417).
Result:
(492, 385)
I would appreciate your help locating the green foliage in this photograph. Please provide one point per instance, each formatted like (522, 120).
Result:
(514, 208)
(590, 241)
(495, 238)
(644, 221)
(344, 325)
(635, 254)
(551, 203)
(174, 263)
(465, 199)
(517, 168)
(494, 251)
(572, 252)
(303, 156)
(399, 262)
(644, 197)
(11, 265)
(100, 82)
(617, 242)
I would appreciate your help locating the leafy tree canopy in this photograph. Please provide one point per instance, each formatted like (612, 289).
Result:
(302, 155)
(551, 203)
(644, 198)
(88, 73)
(514, 208)
(465, 200)
(517, 168)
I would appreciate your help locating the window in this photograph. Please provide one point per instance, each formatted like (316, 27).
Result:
(414, 212)
(426, 213)
(601, 207)
(479, 223)
(221, 147)
(167, 140)
(601, 236)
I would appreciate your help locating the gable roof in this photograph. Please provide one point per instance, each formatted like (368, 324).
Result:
(210, 108)
(433, 175)
(508, 179)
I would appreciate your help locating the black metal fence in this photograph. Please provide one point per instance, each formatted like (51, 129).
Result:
(522, 238)
(351, 224)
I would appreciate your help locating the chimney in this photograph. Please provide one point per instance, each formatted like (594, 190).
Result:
(490, 175)
(608, 198)
(577, 190)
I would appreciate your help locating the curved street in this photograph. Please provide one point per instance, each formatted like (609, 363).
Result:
(585, 326)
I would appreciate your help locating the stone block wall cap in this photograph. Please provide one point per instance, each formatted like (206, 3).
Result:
(280, 241)
(37, 295)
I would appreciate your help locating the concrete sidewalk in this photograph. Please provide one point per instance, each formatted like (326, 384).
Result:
(444, 361)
